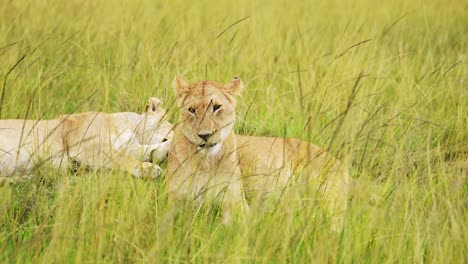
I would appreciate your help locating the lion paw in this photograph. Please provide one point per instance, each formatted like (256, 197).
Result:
(146, 170)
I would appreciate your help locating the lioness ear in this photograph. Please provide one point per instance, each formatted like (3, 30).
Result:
(234, 86)
(180, 86)
(153, 104)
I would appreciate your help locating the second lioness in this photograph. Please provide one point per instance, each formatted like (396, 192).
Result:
(124, 141)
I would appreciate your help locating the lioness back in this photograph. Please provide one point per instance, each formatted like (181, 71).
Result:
(268, 165)
(23, 140)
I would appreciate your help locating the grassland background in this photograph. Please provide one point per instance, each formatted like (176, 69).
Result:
(404, 133)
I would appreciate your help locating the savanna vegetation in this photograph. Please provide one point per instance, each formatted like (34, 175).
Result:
(381, 85)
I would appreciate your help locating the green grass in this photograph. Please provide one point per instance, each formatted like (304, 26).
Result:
(404, 133)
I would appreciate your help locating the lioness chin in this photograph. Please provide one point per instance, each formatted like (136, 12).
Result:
(124, 141)
(207, 159)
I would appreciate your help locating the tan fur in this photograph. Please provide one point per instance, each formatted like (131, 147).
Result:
(267, 164)
(270, 164)
(126, 141)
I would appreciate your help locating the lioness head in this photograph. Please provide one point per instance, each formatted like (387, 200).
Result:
(207, 110)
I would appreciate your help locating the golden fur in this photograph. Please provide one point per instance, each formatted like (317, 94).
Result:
(203, 163)
(269, 165)
(233, 166)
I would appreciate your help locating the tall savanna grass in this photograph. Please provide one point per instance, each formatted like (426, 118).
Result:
(381, 85)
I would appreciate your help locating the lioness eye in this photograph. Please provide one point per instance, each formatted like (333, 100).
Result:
(191, 110)
(216, 107)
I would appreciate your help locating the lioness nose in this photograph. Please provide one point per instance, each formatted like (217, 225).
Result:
(205, 136)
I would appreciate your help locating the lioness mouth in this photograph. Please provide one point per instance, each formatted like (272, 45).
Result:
(209, 145)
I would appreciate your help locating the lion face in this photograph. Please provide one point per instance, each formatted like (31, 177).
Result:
(207, 110)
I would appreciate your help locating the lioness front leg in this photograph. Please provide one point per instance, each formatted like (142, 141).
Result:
(137, 168)
(119, 161)
(145, 170)
(234, 204)
(226, 190)
(151, 152)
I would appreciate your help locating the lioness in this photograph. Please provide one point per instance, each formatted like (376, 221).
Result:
(207, 158)
(126, 141)
(203, 163)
